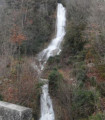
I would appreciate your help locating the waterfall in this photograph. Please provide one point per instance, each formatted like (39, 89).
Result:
(54, 48)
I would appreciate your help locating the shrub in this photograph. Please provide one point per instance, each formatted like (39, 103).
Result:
(101, 88)
(93, 81)
(74, 41)
(84, 103)
(78, 58)
(80, 74)
(54, 80)
(53, 60)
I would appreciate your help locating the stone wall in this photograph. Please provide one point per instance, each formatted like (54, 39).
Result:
(10, 111)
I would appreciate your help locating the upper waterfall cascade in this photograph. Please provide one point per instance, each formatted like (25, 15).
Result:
(54, 48)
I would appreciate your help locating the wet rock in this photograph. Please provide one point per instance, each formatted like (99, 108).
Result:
(10, 111)
(56, 52)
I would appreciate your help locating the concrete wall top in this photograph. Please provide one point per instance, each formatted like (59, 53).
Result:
(12, 106)
(10, 111)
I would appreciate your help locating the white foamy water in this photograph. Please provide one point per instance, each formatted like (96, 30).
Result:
(47, 112)
(54, 48)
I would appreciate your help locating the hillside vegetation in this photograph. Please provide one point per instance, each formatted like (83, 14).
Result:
(76, 76)
(79, 93)
(26, 28)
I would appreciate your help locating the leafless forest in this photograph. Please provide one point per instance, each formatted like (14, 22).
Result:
(76, 76)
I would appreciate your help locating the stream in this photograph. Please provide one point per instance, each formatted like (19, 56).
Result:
(54, 48)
